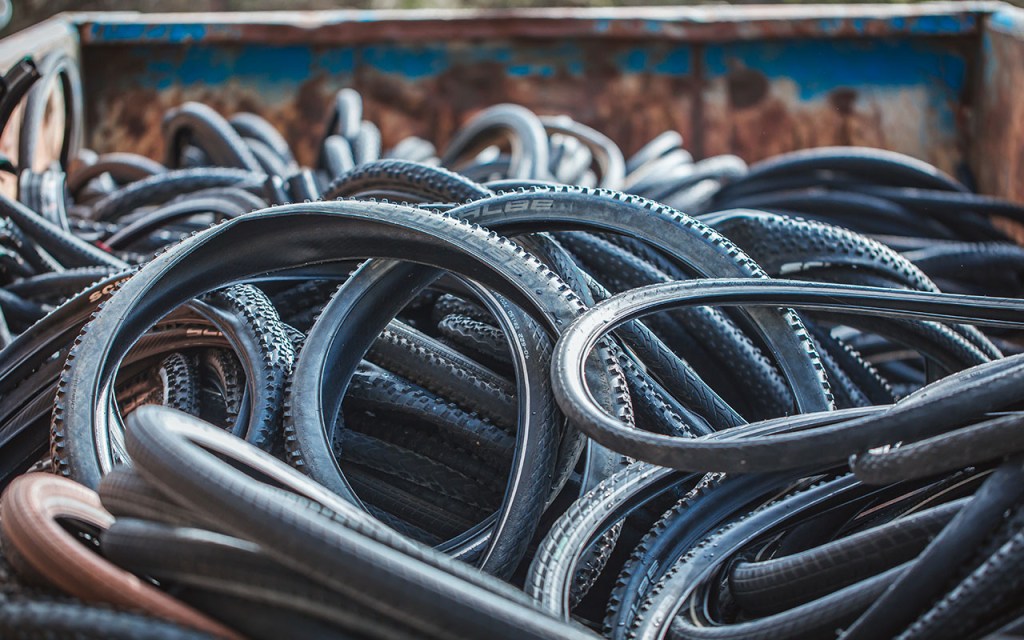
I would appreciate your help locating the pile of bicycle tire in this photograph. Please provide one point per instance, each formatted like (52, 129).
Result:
(525, 386)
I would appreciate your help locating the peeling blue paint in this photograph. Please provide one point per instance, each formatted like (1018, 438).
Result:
(940, 24)
(127, 32)
(412, 62)
(830, 25)
(502, 54)
(257, 60)
(269, 65)
(206, 65)
(521, 70)
(919, 25)
(203, 66)
(337, 61)
(671, 61)
(633, 61)
(265, 65)
(817, 66)
(677, 61)
(944, 25)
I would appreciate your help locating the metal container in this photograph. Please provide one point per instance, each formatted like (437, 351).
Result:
(940, 81)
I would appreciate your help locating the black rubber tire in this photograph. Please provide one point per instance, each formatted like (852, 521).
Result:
(437, 600)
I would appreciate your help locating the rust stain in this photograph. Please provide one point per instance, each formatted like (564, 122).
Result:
(630, 108)
(743, 111)
(746, 88)
(755, 117)
(997, 149)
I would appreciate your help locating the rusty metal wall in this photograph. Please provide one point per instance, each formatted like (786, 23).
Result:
(631, 91)
(750, 81)
(909, 95)
(998, 135)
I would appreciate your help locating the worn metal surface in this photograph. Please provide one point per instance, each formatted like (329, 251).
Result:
(690, 24)
(909, 95)
(426, 90)
(755, 81)
(998, 132)
(751, 80)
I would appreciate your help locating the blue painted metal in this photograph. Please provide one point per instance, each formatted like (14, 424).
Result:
(912, 89)
(817, 67)
(998, 130)
(686, 23)
(603, 82)
(167, 33)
